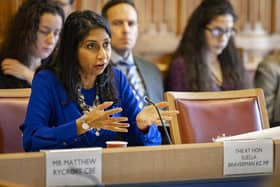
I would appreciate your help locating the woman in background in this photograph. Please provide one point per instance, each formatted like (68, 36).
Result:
(31, 37)
(267, 77)
(206, 58)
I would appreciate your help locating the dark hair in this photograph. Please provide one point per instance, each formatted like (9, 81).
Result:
(21, 33)
(193, 46)
(23, 28)
(71, 2)
(66, 63)
(112, 3)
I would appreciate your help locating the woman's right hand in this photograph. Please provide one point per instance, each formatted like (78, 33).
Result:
(98, 118)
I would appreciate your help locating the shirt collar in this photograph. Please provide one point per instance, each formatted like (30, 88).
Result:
(115, 58)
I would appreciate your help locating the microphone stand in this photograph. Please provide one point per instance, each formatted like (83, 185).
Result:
(149, 101)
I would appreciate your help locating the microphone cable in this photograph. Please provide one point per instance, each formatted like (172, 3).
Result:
(149, 101)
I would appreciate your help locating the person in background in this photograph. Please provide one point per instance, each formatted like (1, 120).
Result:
(80, 100)
(66, 5)
(31, 37)
(144, 77)
(267, 77)
(206, 58)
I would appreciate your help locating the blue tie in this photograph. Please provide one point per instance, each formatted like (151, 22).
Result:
(134, 81)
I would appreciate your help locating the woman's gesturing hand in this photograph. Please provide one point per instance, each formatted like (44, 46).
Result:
(150, 116)
(98, 118)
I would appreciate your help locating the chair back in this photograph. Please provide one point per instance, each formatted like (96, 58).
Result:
(207, 115)
(13, 105)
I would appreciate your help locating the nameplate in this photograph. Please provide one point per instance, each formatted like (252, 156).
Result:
(73, 167)
(248, 156)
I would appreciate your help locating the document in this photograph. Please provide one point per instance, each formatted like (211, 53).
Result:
(271, 133)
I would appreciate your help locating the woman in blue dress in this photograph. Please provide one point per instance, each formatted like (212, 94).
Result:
(80, 100)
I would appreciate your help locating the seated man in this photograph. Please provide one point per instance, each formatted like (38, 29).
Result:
(144, 77)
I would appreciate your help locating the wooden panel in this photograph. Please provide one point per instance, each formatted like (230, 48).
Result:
(162, 22)
(7, 10)
(277, 16)
(23, 168)
(150, 164)
(174, 13)
(18, 92)
(146, 164)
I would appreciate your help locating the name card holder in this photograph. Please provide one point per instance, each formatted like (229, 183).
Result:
(73, 167)
(248, 157)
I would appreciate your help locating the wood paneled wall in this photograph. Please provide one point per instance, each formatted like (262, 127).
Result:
(162, 21)
(7, 10)
(162, 15)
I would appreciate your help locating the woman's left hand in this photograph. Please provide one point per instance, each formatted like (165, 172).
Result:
(149, 115)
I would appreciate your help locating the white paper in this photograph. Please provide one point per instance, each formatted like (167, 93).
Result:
(72, 167)
(271, 133)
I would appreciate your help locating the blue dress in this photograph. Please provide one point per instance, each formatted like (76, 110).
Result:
(50, 121)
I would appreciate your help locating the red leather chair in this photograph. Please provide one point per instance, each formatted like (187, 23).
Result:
(13, 104)
(207, 115)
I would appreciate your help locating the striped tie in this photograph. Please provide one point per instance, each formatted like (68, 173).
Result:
(134, 81)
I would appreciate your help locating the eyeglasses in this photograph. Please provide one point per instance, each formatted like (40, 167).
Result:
(218, 32)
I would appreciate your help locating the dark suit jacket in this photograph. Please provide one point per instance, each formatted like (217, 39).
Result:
(267, 77)
(153, 83)
(152, 78)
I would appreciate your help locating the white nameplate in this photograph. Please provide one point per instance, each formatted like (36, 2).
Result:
(72, 167)
(248, 156)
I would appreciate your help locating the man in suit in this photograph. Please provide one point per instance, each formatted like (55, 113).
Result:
(144, 77)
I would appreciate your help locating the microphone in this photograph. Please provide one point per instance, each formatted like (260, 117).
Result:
(149, 101)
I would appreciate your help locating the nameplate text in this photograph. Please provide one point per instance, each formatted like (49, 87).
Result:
(248, 156)
(73, 167)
